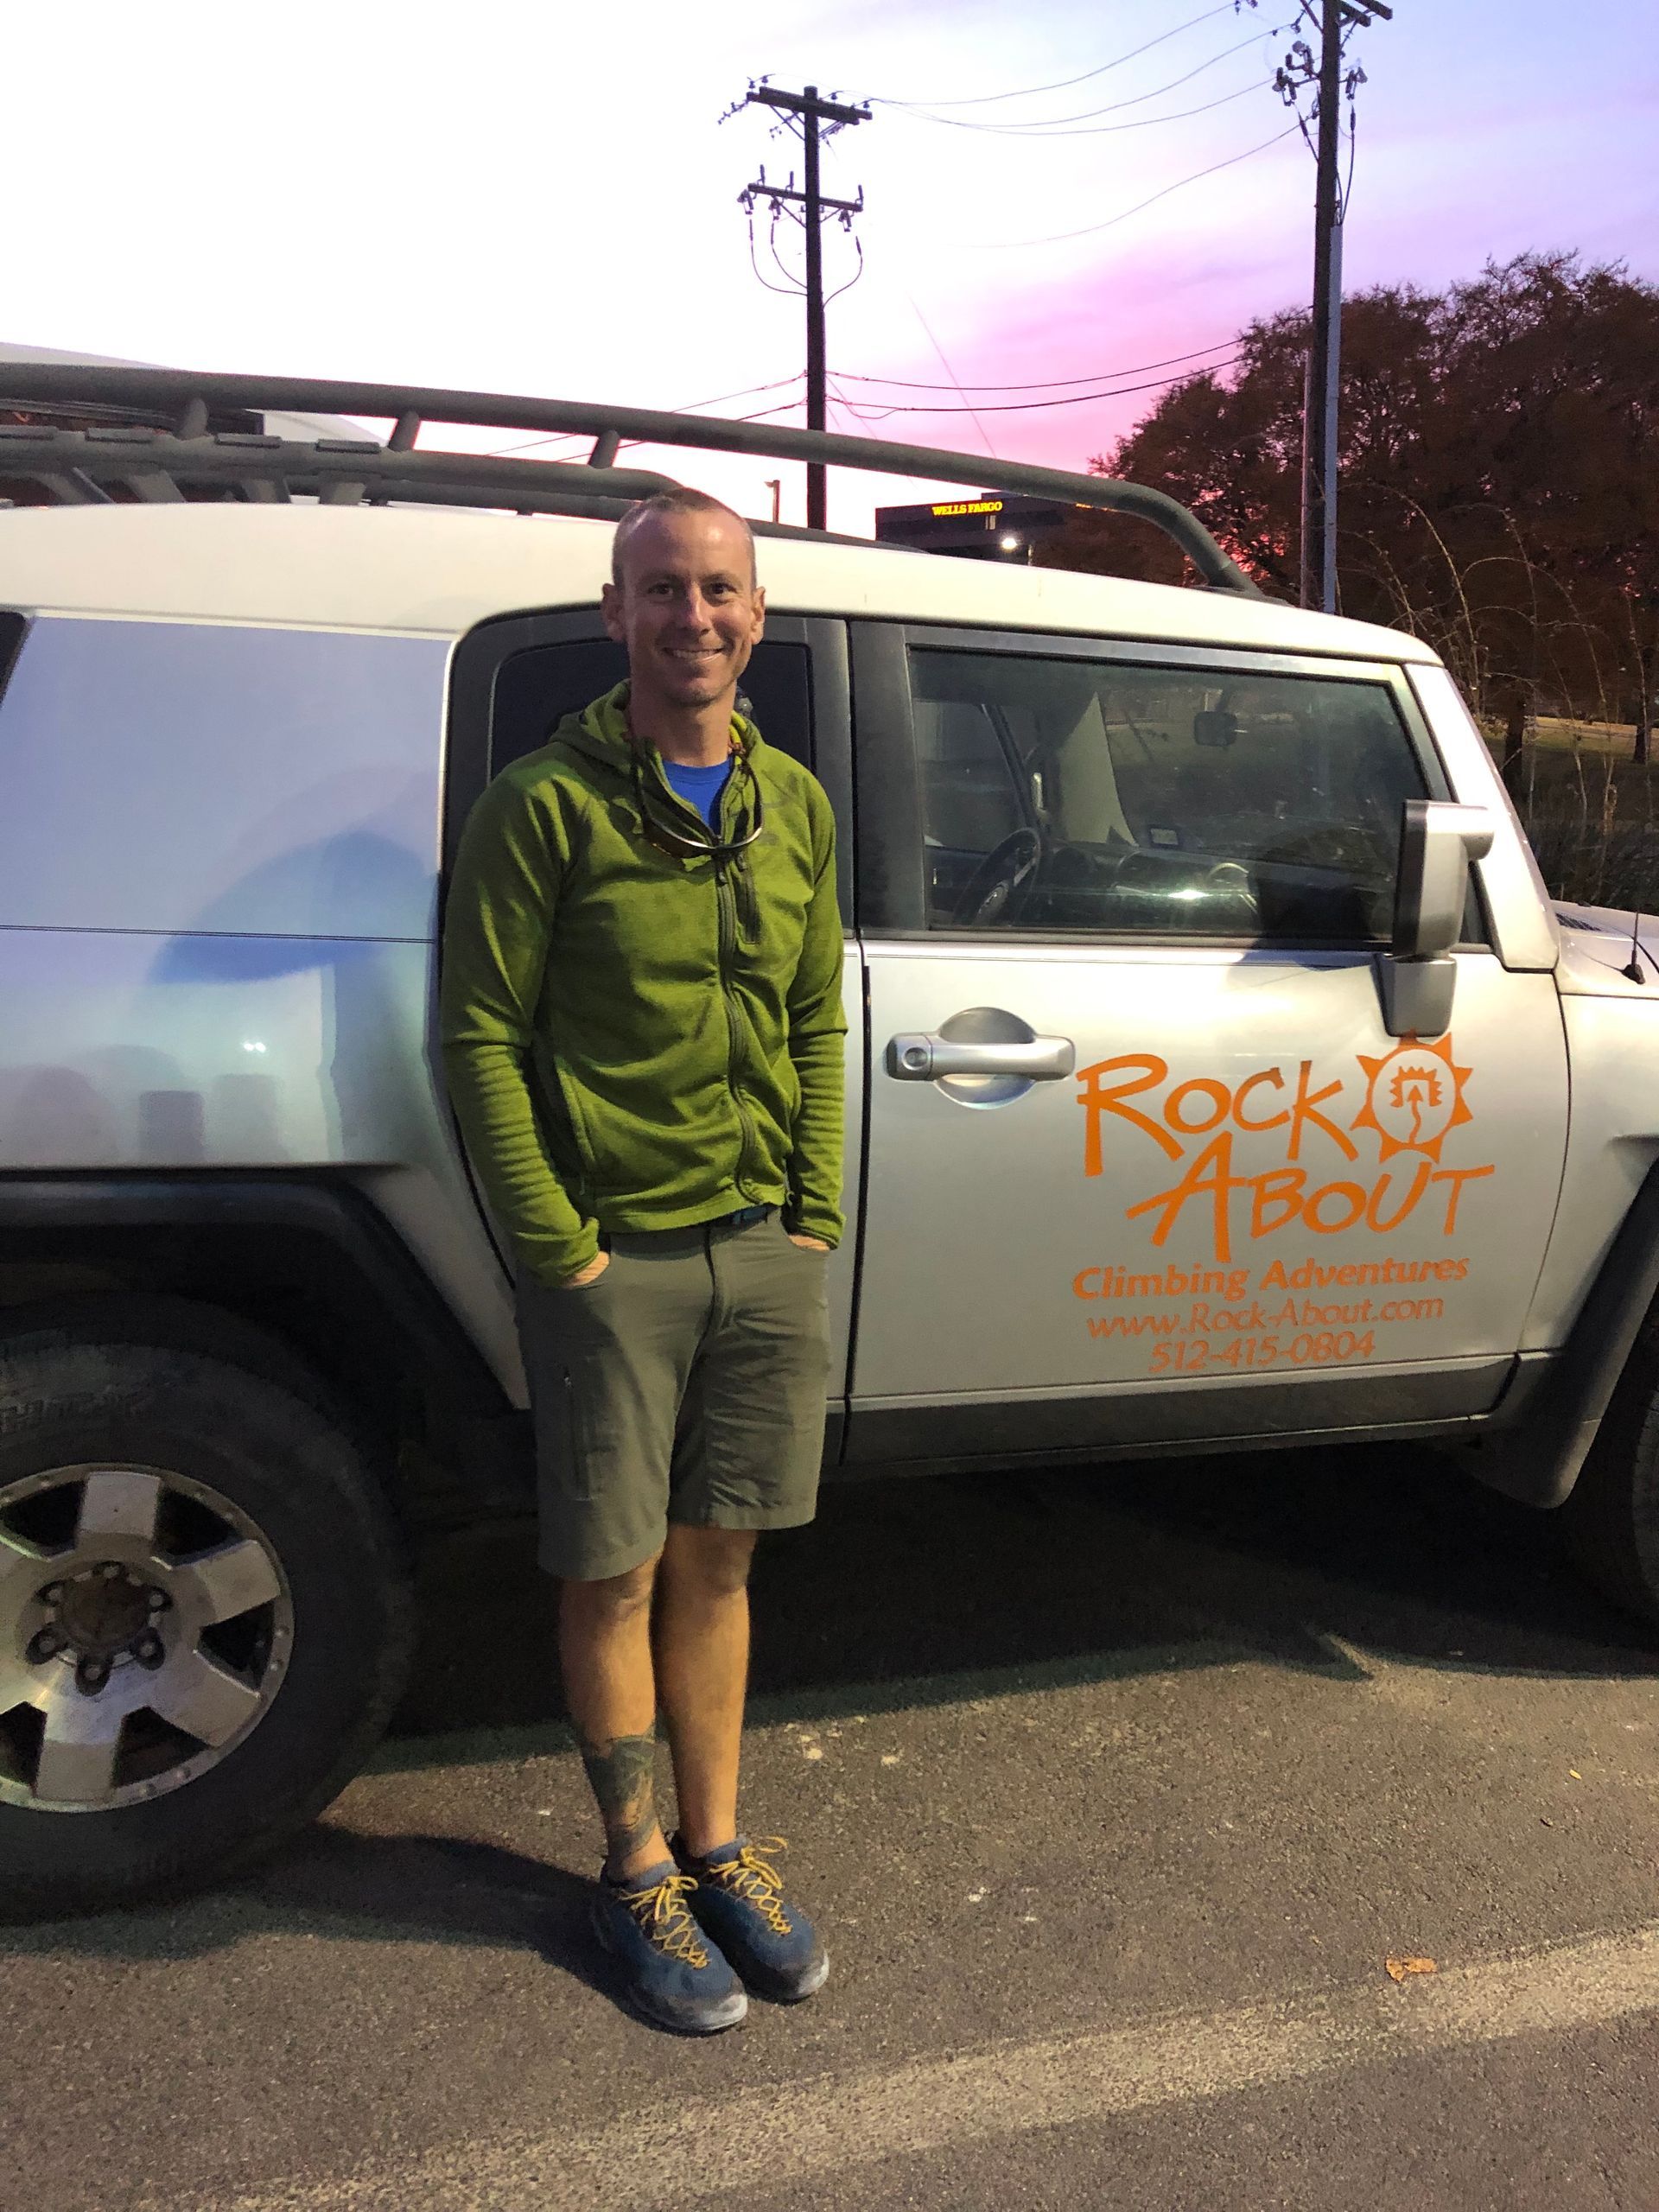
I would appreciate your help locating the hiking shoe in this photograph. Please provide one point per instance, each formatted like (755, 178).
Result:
(739, 1903)
(671, 1972)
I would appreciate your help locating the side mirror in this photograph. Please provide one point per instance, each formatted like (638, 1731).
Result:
(1416, 978)
(1437, 843)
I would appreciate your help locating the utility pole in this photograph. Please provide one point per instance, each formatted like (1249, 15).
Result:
(1325, 348)
(810, 111)
(1319, 539)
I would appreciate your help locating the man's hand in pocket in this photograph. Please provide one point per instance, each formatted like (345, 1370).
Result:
(591, 1273)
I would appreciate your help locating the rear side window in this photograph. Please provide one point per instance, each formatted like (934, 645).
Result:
(212, 778)
(534, 690)
(1108, 798)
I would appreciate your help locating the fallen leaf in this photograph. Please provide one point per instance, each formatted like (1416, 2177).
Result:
(1399, 1968)
(1576, 1775)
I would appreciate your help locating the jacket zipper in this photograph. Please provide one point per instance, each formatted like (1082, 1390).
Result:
(726, 908)
(726, 912)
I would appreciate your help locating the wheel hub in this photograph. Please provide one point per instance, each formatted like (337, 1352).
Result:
(101, 1612)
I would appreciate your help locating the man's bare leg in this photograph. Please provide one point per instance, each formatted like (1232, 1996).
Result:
(701, 1635)
(605, 1651)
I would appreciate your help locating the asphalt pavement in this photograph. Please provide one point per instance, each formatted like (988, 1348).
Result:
(1115, 1790)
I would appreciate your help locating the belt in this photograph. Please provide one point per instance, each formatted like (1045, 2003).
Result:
(745, 1217)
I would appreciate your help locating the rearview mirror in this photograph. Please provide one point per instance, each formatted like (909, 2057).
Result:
(1416, 979)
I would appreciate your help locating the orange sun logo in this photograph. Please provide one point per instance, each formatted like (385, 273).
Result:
(1414, 1097)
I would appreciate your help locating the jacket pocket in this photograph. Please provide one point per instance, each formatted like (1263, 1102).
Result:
(577, 1121)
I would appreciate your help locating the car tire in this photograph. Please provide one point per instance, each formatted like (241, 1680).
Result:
(206, 1607)
(1611, 1518)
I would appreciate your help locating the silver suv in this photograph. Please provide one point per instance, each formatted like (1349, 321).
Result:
(1220, 1073)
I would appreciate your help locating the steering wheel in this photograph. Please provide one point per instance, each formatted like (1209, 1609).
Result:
(1232, 876)
(998, 884)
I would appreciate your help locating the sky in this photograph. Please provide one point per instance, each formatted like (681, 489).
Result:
(545, 199)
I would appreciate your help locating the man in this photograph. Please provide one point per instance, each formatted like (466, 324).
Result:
(642, 1026)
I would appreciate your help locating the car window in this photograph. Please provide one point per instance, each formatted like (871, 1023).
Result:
(1070, 795)
(970, 801)
(536, 688)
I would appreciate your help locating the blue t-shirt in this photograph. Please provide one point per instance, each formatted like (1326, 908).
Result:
(700, 787)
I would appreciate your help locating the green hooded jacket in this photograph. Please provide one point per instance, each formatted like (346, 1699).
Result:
(634, 1041)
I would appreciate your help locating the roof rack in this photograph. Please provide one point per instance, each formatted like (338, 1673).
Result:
(166, 451)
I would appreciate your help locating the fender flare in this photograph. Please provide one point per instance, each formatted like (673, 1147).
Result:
(1541, 1442)
(42, 1215)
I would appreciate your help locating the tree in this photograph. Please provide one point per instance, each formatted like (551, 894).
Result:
(1499, 478)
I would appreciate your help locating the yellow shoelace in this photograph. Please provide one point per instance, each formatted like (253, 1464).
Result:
(750, 1876)
(660, 1911)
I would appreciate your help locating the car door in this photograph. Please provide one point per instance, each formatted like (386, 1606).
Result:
(1143, 1163)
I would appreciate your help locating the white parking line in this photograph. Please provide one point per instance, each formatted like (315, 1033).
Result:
(791, 2132)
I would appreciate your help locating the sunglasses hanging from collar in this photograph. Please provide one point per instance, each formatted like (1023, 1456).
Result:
(669, 837)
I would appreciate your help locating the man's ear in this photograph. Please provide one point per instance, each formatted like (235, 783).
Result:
(610, 608)
(759, 631)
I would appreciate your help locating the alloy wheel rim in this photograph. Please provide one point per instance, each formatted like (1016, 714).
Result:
(145, 1628)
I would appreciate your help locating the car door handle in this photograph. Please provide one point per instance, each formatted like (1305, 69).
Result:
(918, 1056)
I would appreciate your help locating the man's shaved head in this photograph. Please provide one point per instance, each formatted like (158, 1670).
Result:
(686, 604)
(683, 499)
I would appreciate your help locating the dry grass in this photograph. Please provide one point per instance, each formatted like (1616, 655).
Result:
(1555, 733)
(1591, 813)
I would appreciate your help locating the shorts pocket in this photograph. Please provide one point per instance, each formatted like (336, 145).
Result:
(582, 1431)
(567, 1438)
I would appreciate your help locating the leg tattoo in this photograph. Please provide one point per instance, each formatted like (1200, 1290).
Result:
(622, 1772)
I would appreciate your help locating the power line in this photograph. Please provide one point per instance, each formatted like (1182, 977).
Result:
(859, 251)
(954, 385)
(758, 414)
(1041, 123)
(778, 383)
(691, 407)
(984, 435)
(790, 289)
(1091, 230)
(1034, 135)
(1049, 384)
(879, 414)
(984, 99)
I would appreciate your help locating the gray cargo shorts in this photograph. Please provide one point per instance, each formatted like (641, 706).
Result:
(686, 1383)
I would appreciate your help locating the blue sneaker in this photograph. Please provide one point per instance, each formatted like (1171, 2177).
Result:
(739, 1903)
(671, 1973)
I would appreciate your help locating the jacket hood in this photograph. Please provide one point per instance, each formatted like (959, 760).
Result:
(600, 732)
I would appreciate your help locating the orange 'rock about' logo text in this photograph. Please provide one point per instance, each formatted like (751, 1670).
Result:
(1414, 1099)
